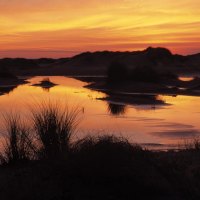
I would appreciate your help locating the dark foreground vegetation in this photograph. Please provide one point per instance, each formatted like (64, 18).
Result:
(42, 162)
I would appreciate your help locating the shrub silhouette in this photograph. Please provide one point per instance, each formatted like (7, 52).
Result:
(117, 72)
(105, 154)
(46, 80)
(145, 74)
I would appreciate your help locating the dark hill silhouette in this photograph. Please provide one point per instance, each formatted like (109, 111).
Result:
(19, 66)
(100, 60)
(18, 63)
(95, 63)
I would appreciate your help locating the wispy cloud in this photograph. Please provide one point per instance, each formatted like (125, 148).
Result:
(82, 25)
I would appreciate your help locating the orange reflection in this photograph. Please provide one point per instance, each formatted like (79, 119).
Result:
(139, 123)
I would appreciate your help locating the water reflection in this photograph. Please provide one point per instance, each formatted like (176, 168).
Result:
(138, 101)
(186, 78)
(116, 109)
(7, 89)
(46, 89)
(140, 118)
(178, 134)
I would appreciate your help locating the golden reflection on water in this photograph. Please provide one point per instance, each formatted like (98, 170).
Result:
(167, 124)
(185, 78)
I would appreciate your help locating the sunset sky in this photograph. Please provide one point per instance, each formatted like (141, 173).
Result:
(62, 28)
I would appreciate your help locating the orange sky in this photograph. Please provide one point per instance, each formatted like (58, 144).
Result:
(61, 28)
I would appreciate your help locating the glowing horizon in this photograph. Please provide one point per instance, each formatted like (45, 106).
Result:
(62, 28)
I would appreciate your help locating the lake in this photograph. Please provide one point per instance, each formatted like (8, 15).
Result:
(153, 126)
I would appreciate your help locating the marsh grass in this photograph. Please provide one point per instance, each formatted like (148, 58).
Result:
(95, 167)
(105, 152)
(105, 141)
(54, 125)
(193, 144)
(18, 145)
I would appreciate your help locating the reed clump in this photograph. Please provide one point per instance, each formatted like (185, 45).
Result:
(54, 125)
(18, 143)
(48, 136)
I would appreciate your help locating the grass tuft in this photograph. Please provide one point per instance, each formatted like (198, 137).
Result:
(18, 144)
(54, 126)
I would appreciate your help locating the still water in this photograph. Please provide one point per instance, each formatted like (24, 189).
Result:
(153, 126)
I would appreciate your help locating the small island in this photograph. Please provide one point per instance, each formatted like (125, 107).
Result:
(45, 84)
